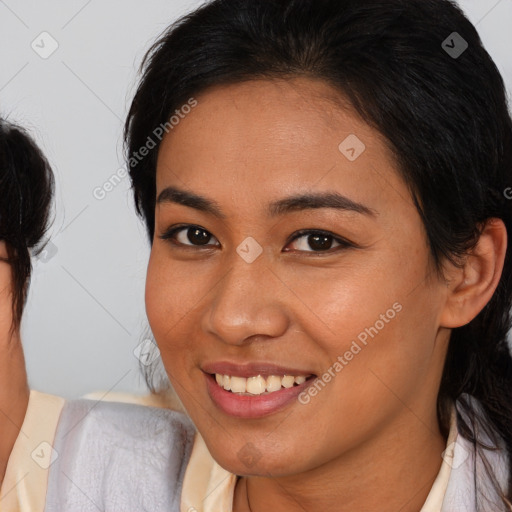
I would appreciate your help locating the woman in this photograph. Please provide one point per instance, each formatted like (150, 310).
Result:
(26, 185)
(332, 209)
(330, 281)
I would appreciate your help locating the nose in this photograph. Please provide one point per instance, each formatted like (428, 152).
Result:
(248, 303)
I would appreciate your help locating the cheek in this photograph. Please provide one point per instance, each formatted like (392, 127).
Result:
(162, 297)
(381, 337)
(171, 296)
(168, 292)
(155, 306)
(390, 361)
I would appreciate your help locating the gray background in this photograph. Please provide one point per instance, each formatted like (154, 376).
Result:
(85, 314)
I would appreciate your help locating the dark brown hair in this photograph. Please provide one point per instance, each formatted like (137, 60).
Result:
(26, 191)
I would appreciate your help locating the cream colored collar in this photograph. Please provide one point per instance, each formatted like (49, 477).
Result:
(26, 477)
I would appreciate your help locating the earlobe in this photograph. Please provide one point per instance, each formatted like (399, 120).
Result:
(474, 284)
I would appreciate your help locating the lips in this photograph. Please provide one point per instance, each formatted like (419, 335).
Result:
(260, 402)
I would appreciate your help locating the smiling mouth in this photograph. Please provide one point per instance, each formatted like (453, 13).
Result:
(259, 385)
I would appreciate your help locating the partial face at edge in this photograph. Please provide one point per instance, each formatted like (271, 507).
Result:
(308, 299)
(6, 299)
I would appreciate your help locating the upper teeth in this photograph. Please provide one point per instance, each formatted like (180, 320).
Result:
(257, 385)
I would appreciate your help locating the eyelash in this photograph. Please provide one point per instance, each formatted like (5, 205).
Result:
(344, 244)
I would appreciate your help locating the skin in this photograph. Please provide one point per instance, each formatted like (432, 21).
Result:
(14, 390)
(374, 425)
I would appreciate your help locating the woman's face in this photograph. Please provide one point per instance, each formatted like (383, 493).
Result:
(240, 289)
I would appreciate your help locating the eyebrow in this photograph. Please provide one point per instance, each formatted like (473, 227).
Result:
(283, 206)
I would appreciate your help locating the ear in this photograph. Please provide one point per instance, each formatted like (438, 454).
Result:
(471, 287)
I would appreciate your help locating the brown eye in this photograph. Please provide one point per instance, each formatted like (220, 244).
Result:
(318, 241)
(188, 235)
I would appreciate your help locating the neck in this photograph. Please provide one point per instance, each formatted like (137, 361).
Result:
(394, 472)
(14, 394)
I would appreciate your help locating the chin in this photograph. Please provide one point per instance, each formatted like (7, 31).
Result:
(250, 460)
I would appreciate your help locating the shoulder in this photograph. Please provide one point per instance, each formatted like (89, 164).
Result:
(118, 456)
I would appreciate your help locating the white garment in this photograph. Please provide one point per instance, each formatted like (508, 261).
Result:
(117, 457)
(468, 480)
(128, 458)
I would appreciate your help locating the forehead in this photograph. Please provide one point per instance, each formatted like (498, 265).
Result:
(275, 112)
(270, 137)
